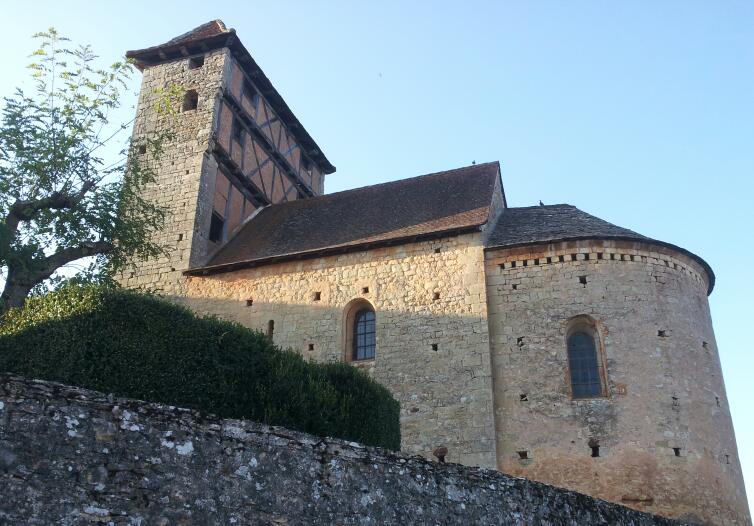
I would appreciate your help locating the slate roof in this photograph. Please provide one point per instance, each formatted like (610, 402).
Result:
(431, 205)
(215, 35)
(563, 222)
(536, 224)
(209, 29)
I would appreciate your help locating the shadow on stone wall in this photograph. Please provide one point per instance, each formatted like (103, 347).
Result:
(437, 366)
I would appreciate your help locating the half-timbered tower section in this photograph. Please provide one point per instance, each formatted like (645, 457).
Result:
(235, 147)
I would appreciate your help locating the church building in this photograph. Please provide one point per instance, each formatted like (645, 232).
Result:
(540, 341)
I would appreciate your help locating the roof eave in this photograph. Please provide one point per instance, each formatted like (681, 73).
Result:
(329, 251)
(650, 241)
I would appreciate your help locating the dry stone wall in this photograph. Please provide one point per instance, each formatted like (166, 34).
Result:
(431, 327)
(71, 456)
(664, 431)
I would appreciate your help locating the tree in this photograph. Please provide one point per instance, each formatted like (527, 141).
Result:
(60, 200)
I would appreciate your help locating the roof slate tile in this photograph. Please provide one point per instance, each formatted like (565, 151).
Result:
(421, 206)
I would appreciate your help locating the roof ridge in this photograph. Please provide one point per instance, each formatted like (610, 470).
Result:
(219, 25)
(560, 205)
(386, 183)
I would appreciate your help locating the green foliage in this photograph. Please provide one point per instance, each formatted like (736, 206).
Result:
(63, 195)
(141, 346)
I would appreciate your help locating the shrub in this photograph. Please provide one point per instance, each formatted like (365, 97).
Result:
(141, 346)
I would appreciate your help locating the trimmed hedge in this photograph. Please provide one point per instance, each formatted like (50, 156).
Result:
(140, 346)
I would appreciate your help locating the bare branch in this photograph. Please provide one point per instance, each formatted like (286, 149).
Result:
(25, 210)
(67, 255)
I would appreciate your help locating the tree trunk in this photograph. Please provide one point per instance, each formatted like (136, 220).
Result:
(20, 282)
(15, 293)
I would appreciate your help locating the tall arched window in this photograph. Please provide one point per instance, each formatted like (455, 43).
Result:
(359, 331)
(363, 335)
(584, 361)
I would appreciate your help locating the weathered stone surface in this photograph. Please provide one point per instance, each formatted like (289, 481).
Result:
(161, 465)
(664, 384)
(185, 180)
(424, 294)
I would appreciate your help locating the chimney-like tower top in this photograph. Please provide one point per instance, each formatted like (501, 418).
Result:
(215, 35)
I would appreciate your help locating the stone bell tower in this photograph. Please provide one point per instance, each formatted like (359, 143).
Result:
(236, 147)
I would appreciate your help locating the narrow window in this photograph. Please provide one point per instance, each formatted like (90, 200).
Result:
(363, 335)
(237, 131)
(436, 296)
(249, 302)
(317, 296)
(306, 164)
(251, 93)
(270, 329)
(311, 346)
(677, 451)
(595, 451)
(196, 62)
(434, 347)
(190, 100)
(365, 290)
(585, 370)
(523, 455)
(142, 149)
(216, 227)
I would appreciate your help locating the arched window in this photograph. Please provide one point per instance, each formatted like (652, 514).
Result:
(359, 331)
(584, 362)
(363, 335)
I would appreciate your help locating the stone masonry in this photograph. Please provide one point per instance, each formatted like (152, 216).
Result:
(431, 329)
(664, 432)
(182, 185)
(71, 456)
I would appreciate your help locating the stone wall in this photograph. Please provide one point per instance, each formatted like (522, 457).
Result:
(664, 384)
(185, 171)
(431, 324)
(71, 456)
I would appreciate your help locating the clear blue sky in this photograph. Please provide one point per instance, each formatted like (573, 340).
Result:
(639, 112)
